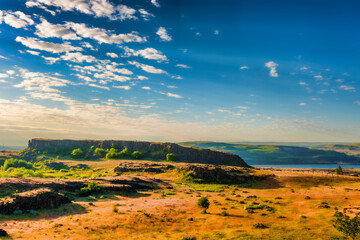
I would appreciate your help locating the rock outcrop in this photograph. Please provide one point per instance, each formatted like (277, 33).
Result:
(123, 184)
(151, 150)
(31, 200)
(150, 167)
(219, 174)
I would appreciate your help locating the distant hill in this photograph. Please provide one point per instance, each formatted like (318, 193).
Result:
(12, 148)
(274, 154)
(352, 149)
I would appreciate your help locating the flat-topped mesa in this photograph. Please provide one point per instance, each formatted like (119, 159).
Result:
(152, 150)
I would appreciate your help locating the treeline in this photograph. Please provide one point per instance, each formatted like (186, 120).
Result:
(112, 153)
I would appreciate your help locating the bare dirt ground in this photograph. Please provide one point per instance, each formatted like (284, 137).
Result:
(296, 197)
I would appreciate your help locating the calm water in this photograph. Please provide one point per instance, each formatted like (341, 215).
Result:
(316, 166)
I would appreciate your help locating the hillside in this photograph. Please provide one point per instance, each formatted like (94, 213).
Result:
(273, 154)
(352, 149)
(147, 150)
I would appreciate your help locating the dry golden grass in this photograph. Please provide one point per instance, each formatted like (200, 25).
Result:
(161, 216)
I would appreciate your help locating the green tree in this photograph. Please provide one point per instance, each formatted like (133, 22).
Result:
(350, 227)
(137, 155)
(339, 170)
(113, 153)
(100, 152)
(170, 157)
(125, 153)
(77, 153)
(203, 203)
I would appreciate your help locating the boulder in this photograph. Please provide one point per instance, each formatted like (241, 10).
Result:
(3, 233)
(35, 199)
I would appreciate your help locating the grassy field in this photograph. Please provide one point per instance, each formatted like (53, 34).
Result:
(292, 205)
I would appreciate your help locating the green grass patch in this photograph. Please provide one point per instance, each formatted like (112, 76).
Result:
(207, 187)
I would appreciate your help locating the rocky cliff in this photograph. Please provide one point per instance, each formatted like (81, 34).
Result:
(152, 149)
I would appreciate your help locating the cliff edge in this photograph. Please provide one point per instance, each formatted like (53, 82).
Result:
(183, 154)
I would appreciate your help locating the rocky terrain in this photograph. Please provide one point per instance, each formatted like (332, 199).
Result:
(31, 200)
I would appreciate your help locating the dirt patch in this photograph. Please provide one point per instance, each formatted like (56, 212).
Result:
(35, 199)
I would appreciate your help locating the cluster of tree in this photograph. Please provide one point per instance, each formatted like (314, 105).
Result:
(112, 153)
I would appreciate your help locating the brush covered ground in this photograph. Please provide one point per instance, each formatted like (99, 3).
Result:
(287, 204)
(255, 154)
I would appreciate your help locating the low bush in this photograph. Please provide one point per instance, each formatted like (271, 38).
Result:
(15, 163)
(92, 188)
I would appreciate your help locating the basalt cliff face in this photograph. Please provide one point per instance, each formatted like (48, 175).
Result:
(151, 149)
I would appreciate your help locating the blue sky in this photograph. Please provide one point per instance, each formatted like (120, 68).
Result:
(179, 70)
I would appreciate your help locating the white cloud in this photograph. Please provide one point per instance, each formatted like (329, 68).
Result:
(3, 75)
(78, 57)
(147, 68)
(112, 55)
(16, 19)
(123, 87)
(357, 103)
(148, 53)
(318, 77)
(98, 86)
(146, 88)
(35, 43)
(302, 104)
(155, 3)
(10, 72)
(171, 95)
(303, 83)
(97, 8)
(40, 82)
(182, 66)
(163, 34)
(87, 45)
(172, 87)
(33, 52)
(103, 35)
(347, 88)
(272, 66)
(244, 67)
(51, 60)
(145, 14)
(216, 32)
(3, 57)
(49, 30)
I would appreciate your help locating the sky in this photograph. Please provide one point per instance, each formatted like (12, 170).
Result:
(180, 70)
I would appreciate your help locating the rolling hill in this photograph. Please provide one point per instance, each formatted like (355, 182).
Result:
(274, 154)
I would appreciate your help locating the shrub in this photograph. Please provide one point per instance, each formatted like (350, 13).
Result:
(203, 203)
(137, 155)
(170, 157)
(339, 170)
(92, 188)
(260, 225)
(100, 152)
(350, 227)
(77, 153)
(15, 163)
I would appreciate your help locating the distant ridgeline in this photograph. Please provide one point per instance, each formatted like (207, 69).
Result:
(272, 154)
(153, 150)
